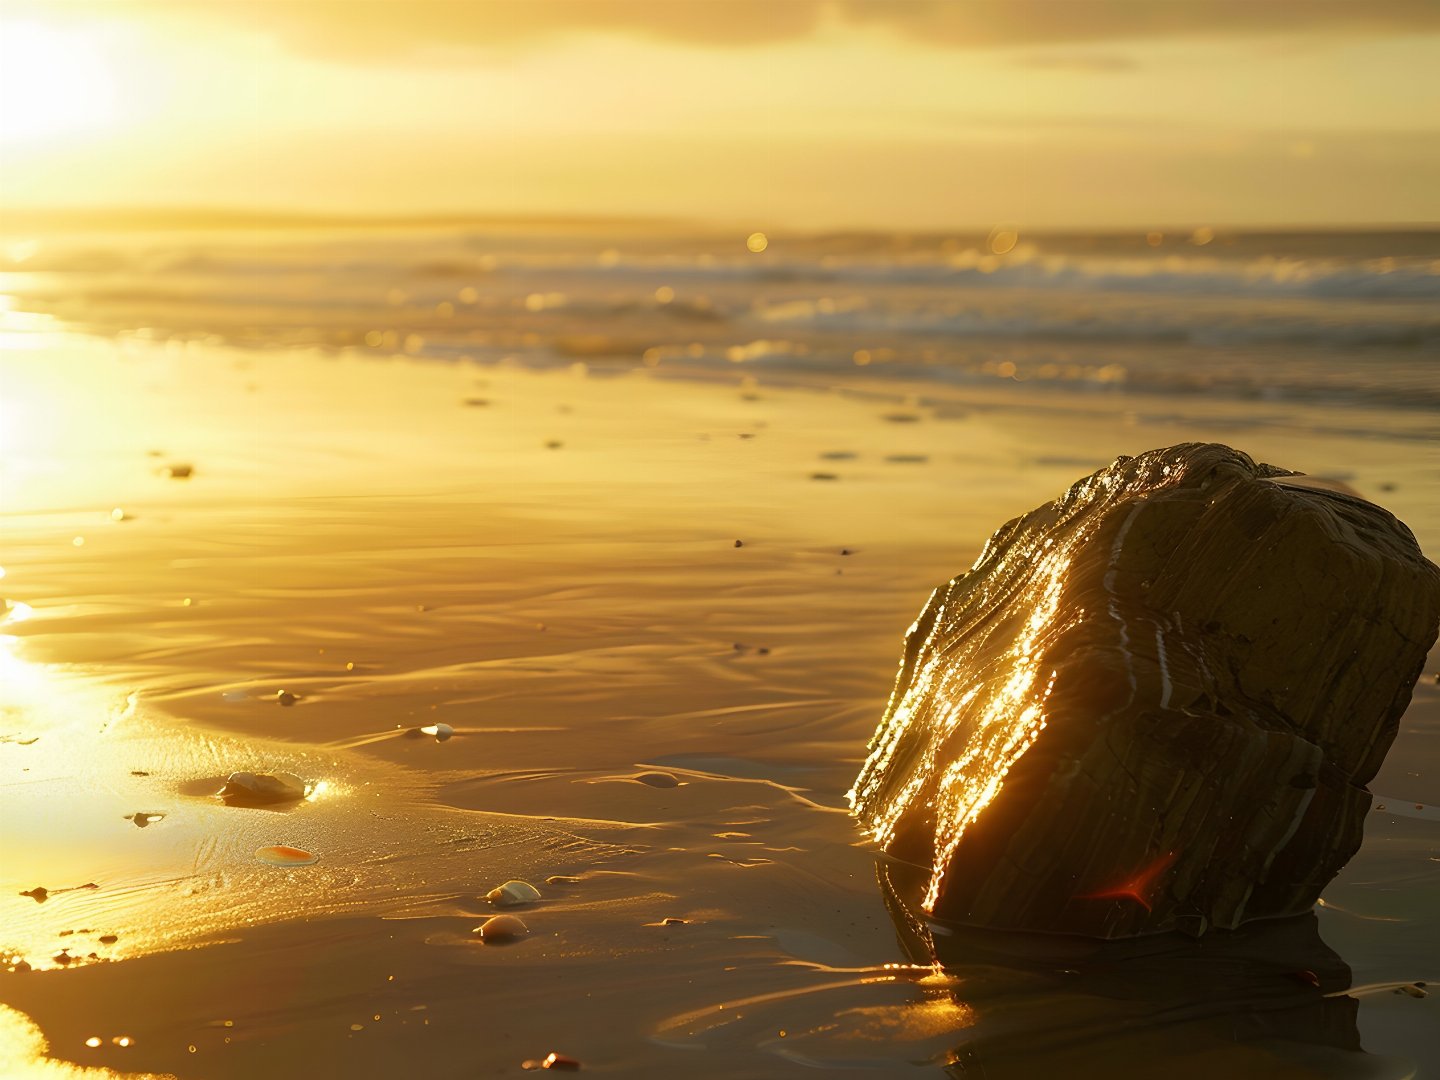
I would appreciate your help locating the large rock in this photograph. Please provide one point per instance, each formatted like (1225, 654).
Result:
(1153, 704)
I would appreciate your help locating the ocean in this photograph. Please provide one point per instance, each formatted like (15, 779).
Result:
(1342, 319)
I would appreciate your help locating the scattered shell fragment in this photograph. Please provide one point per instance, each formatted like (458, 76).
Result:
(440, 731)
(502, 929)
(280, 855)
(513, 893)
(560, 1061)
(657, 778)
(562, 879)
(671, 920)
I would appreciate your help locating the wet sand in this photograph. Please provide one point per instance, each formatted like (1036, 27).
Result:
(548, 562)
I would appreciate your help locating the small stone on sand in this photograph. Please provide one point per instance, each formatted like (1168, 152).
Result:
(281, 855)
(741, 543)
(440, 731)
(179, 472)
(254, 789)
(108, 939)
(502, 929)
(560, 1061)
(657, 778)
(513, 894)
(286, 698)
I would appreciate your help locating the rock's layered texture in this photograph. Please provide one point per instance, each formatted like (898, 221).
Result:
(1153, 704)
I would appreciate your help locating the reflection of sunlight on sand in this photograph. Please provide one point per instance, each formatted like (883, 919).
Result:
(83, 763)
(23, 1052)
(860, 1018)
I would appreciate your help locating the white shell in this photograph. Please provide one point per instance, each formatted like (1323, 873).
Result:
(440, 731)
(263, 787)
(513, 893)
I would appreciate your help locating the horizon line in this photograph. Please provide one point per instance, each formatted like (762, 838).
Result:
(197, 217)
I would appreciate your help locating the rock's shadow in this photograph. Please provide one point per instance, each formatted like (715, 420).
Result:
(1264, 1000)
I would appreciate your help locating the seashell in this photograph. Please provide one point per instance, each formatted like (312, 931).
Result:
(280, 855)
(501, 929)
(561, 1062)
(440, 731)
(513, 893)
(259, 789)
(656, 778)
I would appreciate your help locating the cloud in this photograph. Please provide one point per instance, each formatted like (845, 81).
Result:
(404, 30)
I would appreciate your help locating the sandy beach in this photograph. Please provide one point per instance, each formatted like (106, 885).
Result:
(592, 574)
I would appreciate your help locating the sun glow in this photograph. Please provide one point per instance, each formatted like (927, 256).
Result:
(54, 84)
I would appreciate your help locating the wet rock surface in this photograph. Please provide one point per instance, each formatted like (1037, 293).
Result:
(1153, 704)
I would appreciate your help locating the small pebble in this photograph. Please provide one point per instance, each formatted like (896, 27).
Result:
(554, 444)
(741, 543)
(286, 698)
(108, 939)
(440, 731)
(281, 855)
(844, 551)
(824, 476)
(513, 894)
(258, 789)
(179, 472)
(501, 929)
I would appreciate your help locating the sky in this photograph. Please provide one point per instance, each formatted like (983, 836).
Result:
(807, 114)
